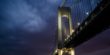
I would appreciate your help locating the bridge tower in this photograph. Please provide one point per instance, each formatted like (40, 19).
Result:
(65, 29)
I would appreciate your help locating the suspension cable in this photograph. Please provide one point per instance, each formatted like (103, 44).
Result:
(63, 3)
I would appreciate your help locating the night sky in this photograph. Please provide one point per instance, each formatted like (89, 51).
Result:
(28, 27)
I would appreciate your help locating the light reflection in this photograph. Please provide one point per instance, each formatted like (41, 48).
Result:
(87, 13)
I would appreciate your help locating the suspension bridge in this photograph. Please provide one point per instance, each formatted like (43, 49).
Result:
(69, 37)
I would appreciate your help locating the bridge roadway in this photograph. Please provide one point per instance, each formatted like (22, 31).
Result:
(96, 22)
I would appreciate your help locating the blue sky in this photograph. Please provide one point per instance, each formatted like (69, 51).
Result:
(28, 27)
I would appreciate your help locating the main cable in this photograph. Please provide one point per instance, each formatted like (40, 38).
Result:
(63, 3)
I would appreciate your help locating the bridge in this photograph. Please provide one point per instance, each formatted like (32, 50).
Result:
(96, 22)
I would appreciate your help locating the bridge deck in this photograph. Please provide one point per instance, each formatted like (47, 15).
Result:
(96, 22)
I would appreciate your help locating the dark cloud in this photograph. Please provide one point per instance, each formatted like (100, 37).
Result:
(25, 29)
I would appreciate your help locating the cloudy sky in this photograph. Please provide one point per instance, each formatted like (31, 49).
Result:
(28, 27)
